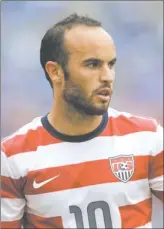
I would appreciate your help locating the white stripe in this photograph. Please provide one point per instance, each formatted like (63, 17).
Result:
(7, 169)
(148, 225)
(115, 194)
(33, 125)
(157, 183)
(114, 113)
(67, 153)
(12, 209)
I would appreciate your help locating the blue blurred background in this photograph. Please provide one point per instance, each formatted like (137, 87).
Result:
(137, 29)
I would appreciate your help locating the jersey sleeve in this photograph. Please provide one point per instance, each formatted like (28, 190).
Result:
(156, 169)
(12, 200)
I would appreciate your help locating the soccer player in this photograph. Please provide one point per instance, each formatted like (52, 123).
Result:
(84, 164)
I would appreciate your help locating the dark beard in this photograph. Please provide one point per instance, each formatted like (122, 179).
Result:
(77, 100)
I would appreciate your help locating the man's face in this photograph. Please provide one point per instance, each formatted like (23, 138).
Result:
(90, 69)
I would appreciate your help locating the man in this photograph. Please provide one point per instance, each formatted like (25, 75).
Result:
(82, 165)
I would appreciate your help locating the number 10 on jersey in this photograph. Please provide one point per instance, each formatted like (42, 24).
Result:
(91, 208)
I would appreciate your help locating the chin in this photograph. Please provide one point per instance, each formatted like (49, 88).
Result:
(96, 110)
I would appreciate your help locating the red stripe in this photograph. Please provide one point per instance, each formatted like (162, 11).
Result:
(81, 175)
(156, 165)
(11, 188)
(34, 221)
(11, 224)
(28, 142)
(71, 176)
(137, 215)
(117, 126)
(122, 125)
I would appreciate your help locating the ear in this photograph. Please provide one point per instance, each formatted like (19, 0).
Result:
(54, 71)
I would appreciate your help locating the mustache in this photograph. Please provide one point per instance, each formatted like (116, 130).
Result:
(103, 87)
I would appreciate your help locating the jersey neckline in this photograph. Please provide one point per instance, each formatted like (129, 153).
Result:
(77, 138)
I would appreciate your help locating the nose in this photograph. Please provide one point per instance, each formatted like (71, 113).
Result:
(107, 74)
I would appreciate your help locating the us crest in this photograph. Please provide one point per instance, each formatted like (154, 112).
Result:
(122, 167)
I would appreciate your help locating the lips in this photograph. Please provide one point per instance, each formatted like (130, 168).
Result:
(105, 92)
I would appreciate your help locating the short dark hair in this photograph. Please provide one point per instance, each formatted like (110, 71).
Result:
(52, 45)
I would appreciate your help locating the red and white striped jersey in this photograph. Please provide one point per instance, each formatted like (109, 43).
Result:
(98, 180)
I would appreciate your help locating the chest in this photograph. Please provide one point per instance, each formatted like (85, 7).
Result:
(80, 181)
(69, 166)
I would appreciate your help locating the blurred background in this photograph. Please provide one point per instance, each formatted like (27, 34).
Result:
(137, 29)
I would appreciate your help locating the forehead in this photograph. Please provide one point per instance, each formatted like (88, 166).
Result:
(85, 42)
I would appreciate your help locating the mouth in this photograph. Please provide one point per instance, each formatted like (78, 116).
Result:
(104, 94)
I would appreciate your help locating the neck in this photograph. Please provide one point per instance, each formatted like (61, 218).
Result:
(66, 120)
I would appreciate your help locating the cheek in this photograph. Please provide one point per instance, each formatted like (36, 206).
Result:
(112, 78)
(114, 73)
(84, 80)
(84, 74)
(74, 86)
(90, 74)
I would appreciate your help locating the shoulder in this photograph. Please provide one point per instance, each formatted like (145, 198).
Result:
(19, 140)
(130, 123)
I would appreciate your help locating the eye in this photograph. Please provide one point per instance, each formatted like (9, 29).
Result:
(111, 64)
(93, 65)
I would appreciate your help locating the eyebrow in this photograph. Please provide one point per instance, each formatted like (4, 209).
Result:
(113, 60)
(98, 60)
